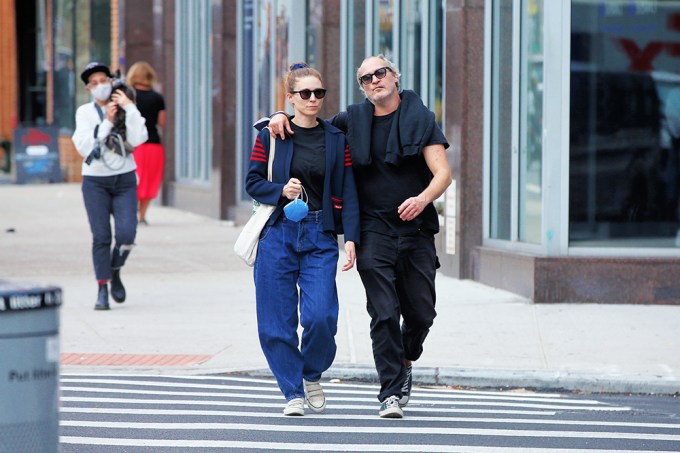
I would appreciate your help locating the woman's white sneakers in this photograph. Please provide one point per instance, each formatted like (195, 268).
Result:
(314, 397)
(296, 406)
(316, 400)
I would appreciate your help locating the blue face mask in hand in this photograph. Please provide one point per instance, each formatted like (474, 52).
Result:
(297, 209)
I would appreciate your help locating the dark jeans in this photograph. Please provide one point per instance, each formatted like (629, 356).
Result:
(398, 275)
(107, 196)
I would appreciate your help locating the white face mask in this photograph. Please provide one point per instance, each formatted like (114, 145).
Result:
(102, 91)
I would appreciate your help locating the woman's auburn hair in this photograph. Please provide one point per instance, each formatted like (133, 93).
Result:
(297, 71)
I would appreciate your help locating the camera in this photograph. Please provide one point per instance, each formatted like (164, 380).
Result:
(116, 141)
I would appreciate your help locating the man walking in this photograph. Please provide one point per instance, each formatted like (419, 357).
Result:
(399, 159)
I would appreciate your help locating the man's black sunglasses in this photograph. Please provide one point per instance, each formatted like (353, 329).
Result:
(319, 93)
(380, 74)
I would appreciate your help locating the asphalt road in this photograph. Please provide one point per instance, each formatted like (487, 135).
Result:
(141, 414)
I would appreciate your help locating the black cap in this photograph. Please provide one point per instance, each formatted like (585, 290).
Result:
(93, 67)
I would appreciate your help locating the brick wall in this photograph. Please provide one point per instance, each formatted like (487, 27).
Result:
(71, 161)
(8, 70)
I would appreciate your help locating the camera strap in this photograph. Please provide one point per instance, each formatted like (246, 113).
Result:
(101, 118)
(100, 112)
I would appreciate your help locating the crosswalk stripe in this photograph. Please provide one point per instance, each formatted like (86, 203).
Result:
(336, 400)
(329, 387)
(370, 430)
(239, 413)
(82, 399)
(145, 378)
(330, 417)
(575, 405)
(244, 445)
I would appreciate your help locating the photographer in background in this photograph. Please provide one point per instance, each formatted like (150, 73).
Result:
(109, 180)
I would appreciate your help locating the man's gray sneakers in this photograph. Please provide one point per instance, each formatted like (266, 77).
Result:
(314, 396)
(390, 408)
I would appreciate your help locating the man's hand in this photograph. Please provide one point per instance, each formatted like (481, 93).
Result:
(412, 207)
(120, 98)
(278, 123)
(292, 189)
(435, 158)
(350, 250)
(111, 109)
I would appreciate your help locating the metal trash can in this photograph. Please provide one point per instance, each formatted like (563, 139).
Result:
(29, 367)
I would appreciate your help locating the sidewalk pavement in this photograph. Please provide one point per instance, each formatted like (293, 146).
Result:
(191, 310)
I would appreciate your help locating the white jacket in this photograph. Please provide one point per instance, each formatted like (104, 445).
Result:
(83, 138)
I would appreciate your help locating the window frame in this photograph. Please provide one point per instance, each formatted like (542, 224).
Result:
(514, 243)
(428, 10)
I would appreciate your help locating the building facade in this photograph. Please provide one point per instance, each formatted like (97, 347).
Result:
(563, 116)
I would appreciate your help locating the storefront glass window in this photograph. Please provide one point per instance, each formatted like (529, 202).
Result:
(81, 34)
(65, 77)
(409, 33)
(246, 88)
(411, 44)
(32, 52)
(501, 121)
(92, 38)
(356, 47)
(315, 33)
(436, 62)
(284, 10)
(383, 27)
(531, 122)
(624, 174)
(193, 92)
(264, 61)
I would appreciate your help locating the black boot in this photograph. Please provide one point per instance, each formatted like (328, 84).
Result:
(102, 298)
(117, 288)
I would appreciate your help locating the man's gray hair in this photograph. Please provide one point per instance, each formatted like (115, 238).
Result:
(393, 67)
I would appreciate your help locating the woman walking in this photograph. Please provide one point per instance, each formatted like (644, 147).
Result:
(109, 181)
(149, 156)
(315, 164)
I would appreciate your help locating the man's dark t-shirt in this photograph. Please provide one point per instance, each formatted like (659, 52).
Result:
(383, 187)
(150, 103)
(309, 161)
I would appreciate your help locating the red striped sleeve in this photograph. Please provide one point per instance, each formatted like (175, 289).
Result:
(258, 153)
(348, 158)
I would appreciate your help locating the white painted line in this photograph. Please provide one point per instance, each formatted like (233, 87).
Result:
(331, 417)
(146, 378)
(78, 399)
(330, 390)
(238, 445)
(420, 430)
(416, 404)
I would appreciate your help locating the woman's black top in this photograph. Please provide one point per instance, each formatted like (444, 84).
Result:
(309, 161)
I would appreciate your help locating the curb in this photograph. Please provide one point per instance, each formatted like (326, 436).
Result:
(554, 381)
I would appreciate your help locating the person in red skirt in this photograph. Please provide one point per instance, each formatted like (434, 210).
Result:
(149, 156)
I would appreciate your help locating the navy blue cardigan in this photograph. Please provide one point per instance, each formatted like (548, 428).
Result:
(340, 202)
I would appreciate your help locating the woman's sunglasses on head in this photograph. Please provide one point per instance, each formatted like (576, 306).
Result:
(379, 73)
(319, 93)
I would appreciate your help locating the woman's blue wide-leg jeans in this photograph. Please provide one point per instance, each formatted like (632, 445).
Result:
(292, 255)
